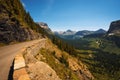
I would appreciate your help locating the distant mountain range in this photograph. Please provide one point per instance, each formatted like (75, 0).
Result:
(69, 34)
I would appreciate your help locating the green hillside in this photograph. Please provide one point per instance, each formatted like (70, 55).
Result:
(101, 55)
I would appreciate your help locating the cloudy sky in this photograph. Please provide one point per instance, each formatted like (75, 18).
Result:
(76, 15)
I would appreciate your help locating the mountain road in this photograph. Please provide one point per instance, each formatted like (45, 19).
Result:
(7, 54)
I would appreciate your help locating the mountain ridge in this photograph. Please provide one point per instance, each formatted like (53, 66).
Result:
(69, 34)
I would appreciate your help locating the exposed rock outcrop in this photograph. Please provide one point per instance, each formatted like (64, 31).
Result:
(20, 72)
(114, 28)
(27, 67)
(13, 26)
(113, 33)
(12, 31)
(38, 70)
(74, 65)
(34, 66)
(45, 26)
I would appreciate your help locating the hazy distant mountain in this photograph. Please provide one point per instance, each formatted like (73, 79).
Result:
(100, 31)
(44, 26)
(69, 34)
(84, 32)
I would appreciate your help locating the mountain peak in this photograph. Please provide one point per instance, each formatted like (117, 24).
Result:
(69, 30)
(100, 31)
(43, 25)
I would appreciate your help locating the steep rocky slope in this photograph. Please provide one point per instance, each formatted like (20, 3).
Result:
(15, 23)
(57, 64)
(114, 28)
(113, 33)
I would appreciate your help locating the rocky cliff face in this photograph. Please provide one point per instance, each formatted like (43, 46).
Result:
(11, 30)
(114, 28)
(13, 27)
(113, 33)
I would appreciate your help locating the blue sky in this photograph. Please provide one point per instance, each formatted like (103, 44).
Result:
(76, 15)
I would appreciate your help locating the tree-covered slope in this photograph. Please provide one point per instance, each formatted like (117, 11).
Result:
(16, 24)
